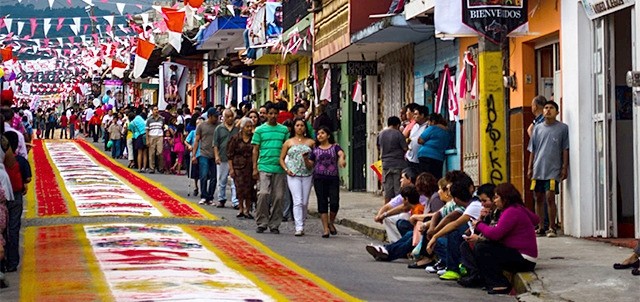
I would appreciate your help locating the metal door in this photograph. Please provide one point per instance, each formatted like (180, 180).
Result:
(358, 154)
(605, 218)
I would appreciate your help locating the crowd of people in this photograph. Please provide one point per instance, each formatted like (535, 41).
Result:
(269, 157)
(448, 226)
(15, 173)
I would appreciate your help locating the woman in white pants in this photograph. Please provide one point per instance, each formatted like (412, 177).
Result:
(294, 159)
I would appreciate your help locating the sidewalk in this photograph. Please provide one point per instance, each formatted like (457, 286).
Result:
(568, 269)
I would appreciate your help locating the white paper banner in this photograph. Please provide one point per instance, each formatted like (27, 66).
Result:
(109, 19)
(8, 23)
(74, 29)
(145, 19)
(20, 27)
(47, 26)
(51, 3)
(120, 7)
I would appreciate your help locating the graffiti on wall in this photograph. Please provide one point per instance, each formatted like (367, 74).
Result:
(493, 138)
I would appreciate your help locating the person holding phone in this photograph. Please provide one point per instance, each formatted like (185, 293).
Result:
(294, 159)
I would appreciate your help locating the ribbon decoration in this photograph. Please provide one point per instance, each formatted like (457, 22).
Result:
(446, 82)
(465, 84)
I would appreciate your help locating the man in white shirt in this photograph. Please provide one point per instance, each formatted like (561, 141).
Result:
(420, 115)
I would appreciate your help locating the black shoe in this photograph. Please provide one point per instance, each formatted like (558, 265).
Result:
(236, 207)
(241, 215)
(220, 205)
(325, 235)
(275, 231)
(332, 229)
(260, 230)
(11, 269)
(541, 232)
(195, 192)
(635, 265)
(248, 216)
(152, 172)
(415, 265)
(471, 282)
(285, 219)
(635, 272)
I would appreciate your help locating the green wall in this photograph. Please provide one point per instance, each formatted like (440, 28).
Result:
(344, 134)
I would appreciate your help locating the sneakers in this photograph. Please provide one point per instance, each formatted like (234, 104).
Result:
(260, 230)
(551, 233)
(299, 233)
(441, 272)
(462, 269)
(540, 232)
(435, 268)
(202, 201)
(378, 252)
(274, 231)
(450, 275)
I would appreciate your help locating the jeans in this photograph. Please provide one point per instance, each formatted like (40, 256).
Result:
(493, 258)
(400, 248)
(223, 176)
(448, 248)
(404, 226)
(72, 131)
(327, 194)
(14, 208)
(300, 188)
(272, 187)
(116, 149)
(208, 180)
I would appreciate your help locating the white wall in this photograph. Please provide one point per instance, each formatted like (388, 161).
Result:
(577, 91)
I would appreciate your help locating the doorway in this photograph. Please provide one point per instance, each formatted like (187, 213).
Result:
(613, 126)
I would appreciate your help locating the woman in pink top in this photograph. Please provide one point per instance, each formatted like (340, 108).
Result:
(511, 242)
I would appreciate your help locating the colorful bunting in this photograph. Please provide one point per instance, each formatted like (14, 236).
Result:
(143, 53)
(60, 21)
(120, 7)
(175, 23)
(20, 27)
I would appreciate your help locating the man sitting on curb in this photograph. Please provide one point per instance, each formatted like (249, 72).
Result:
(448, 238)
(400, 248)
(394, 210)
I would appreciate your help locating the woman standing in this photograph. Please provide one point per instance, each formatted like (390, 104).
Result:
(434, 141)
(239, 152)
(327, 157)
(295, 161)
(255, 118)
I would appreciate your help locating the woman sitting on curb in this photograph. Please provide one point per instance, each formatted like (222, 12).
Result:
(631, 262)
(511, 243)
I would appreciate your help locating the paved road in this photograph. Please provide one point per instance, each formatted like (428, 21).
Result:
(340, 260)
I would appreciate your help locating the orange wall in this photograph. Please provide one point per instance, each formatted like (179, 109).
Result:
(545, 22)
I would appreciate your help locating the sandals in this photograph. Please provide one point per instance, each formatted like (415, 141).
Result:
(332, 229)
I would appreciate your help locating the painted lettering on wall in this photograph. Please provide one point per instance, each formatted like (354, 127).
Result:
(493, 144)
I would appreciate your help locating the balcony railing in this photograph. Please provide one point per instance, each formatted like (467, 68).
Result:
(293, 11)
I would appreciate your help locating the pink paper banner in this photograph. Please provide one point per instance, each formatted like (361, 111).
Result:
(60, 21)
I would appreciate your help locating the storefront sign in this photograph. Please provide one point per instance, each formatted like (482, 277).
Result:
(598, 8)
(362, 68)
(495, 19)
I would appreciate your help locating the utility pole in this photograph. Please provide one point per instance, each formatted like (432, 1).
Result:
(493, 113)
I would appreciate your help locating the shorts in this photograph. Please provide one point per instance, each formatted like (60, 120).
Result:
(391, 182)
(139, 143)
(544, 185)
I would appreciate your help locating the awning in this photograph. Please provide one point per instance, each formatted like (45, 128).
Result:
(224, 33)
(381, 38)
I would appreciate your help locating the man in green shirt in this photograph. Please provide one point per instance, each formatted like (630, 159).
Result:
(267, 143)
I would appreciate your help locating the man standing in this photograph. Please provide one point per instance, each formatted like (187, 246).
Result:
(220, 140)
(206, 162)
(267, 144)
(537, 104)
(548, 163)
(392, 147)
(155, 132)
(420, 115)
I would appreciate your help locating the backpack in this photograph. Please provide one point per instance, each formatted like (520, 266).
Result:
(52, 118)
